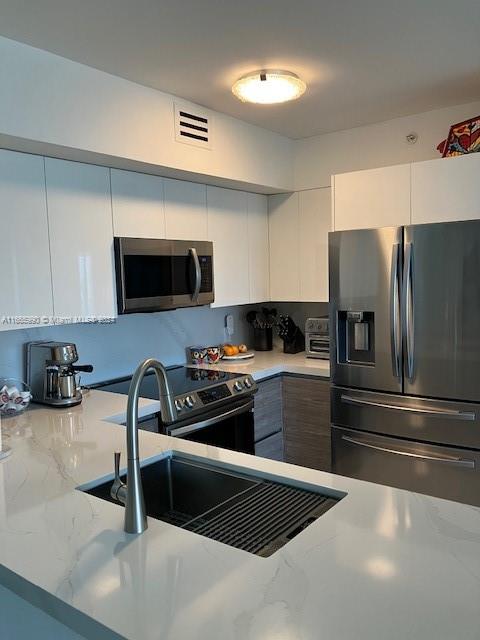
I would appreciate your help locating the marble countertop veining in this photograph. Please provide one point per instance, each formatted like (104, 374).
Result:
(382, 564)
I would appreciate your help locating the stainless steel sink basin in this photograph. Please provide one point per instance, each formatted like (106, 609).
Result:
(246, 512)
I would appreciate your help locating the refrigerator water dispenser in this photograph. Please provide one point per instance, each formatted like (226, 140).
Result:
(356, 337)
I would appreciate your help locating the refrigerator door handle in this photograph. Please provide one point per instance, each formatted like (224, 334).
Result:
(439, 413)
(408, 322)
(395, 317)
(458, 462)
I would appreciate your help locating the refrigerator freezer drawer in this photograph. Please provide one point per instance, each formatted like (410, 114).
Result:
(419, 419)
(443, 472)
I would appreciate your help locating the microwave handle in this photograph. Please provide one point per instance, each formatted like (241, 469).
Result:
(198, 274)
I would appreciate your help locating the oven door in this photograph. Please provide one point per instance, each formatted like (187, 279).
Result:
(156, 275)
(318, 346)
(229, 427)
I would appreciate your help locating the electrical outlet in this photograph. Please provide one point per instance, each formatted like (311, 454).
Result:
(229, 327)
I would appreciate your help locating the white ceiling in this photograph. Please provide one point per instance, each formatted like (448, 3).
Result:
(364, 60)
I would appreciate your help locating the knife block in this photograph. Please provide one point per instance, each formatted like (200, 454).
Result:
(296, 344)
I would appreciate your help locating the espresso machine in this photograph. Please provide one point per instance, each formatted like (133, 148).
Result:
(52, 373)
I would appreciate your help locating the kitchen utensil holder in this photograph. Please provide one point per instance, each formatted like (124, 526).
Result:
(263, 339)
(295, 344)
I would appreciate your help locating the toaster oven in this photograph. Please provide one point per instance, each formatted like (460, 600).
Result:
(317, 338)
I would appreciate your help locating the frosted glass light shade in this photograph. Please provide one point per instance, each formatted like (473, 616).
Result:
(269, 87)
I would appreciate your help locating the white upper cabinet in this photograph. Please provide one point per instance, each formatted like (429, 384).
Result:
(137, 205)
(371, 199)
(315, 223)
(81, 239)
(185, 210)
(24, 247)
(259, 267)
(446, 189)
(299, 224)
(228, 229)
(284, 232)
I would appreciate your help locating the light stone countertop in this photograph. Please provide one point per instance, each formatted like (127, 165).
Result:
(383, 564)
(270, 363)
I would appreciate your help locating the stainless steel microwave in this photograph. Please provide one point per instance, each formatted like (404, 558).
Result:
(156, 275)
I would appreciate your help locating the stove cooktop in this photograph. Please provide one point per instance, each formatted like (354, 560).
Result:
(183, 380)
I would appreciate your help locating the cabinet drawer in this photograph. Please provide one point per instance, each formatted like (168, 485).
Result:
(271, 447)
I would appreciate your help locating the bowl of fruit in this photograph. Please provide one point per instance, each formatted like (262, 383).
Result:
(237, 352)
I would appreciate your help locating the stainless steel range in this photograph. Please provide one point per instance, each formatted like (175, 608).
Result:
(211, 406)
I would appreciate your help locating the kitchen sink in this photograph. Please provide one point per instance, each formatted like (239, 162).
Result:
(245, 511)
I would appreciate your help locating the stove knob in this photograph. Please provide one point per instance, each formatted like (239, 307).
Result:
(189, 401)
(248, 383)
(238, 386)
(179, 404)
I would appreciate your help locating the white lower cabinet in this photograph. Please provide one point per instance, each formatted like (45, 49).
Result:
(137, 205)
(446, 189)
(24, 244)
(227, 229)
(81, 239)
(299, 224)
(185, 210)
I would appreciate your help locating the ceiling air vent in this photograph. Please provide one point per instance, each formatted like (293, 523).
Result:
(192, 126)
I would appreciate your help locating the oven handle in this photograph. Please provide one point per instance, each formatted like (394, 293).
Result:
(198, 274)
(458, 462)
(196, 426)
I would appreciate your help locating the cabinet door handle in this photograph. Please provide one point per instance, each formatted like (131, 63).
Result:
(458, 462)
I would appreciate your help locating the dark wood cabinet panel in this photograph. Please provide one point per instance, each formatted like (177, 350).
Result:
(268, 408)
(271, 447)
(306, 422)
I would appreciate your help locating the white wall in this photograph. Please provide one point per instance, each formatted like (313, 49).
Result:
(53, 106)
(378, 145)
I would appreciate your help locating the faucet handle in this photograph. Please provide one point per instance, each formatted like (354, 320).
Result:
(118, 489)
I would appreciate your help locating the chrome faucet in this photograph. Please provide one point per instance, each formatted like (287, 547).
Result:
(131, 493)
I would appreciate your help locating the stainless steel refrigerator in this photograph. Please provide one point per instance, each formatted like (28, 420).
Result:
(405, 357)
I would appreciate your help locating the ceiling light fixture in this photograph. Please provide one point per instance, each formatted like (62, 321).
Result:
(269, 87)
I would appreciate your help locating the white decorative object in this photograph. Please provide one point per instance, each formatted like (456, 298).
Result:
(15, 396)
(240, 356)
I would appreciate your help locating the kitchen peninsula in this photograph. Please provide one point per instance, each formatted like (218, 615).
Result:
(383, 563)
